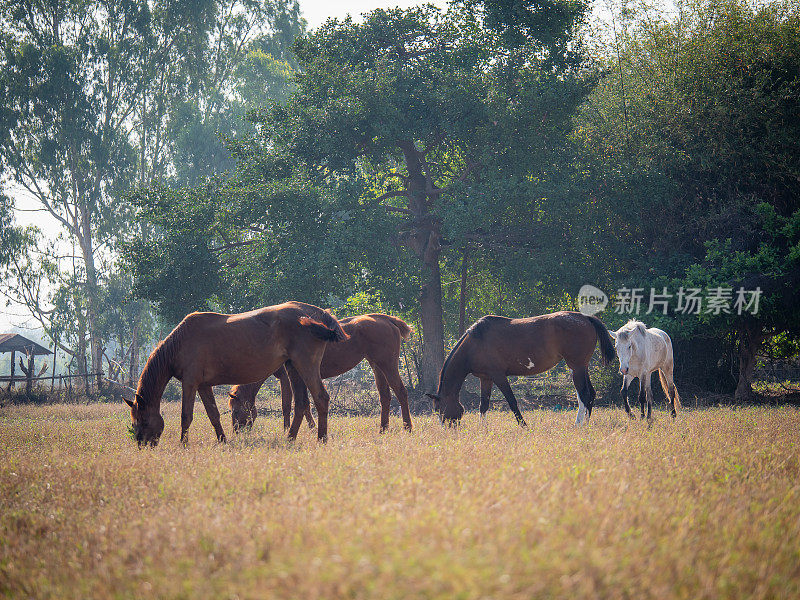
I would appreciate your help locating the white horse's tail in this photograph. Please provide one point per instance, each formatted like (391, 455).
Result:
(670, 389)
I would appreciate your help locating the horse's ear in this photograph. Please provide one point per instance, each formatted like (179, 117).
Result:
(129, 403)
(434, 396)
(642, 329)
(613, 334)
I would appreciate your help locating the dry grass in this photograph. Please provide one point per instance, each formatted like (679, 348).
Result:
(706, 507)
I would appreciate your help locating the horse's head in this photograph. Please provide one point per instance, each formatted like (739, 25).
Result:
(147, 425)
(448, 407)
(242, 413)
(628, 341)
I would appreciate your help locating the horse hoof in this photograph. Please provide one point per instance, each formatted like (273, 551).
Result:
(523, 424)
(407, 426)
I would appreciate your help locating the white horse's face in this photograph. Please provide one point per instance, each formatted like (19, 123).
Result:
(627, 343)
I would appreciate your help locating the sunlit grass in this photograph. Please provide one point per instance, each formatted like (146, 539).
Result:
(707, 506)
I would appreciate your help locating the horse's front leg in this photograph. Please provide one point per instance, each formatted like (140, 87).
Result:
(642, 394)
(501, 381)
(626, 382)
(486, 394)
(187, 410)
(207, 396)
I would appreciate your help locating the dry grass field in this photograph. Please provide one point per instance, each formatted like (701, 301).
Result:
(704, 507)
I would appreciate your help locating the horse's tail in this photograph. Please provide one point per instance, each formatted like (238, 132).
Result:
(327, 328)
(670, 389)
(405, 330)
(606, 345)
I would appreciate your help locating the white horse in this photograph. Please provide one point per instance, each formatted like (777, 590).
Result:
(642, 351)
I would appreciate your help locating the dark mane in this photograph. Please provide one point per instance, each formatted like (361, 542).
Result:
(158, 370)
(477, 329)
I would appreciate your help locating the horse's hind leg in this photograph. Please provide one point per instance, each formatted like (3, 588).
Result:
(648, 390)
(309, 372)
(187, 410)
(399, 389)
(384, 394)
(486, 394)
(502, 384)
(670, 390)
(207, 396)
(642, 394)
(286, 396)
(300, 400)
(580, 377)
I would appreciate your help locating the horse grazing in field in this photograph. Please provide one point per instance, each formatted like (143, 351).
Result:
(375, 337)
(495, 347)
(208, 349)
(642, 351)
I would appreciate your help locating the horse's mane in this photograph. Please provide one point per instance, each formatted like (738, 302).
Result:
(477, 329)
(158, 369)
(631, 326)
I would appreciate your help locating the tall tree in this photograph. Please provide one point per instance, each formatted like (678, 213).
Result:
(709, 152)
(425, 128)
(100, 96)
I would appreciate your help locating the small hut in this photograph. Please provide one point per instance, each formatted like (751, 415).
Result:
(13, 343)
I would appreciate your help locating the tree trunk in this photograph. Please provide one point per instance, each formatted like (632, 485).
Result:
(424, 239)
(751, 335)
(134, 364)
(87, 250)
(432, 318)
(462, 301)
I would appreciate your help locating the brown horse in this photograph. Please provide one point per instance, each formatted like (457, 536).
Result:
(495, 347)
(208, 349)
(376, 337)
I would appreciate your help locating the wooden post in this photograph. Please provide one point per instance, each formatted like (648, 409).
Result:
(53, 373)
(11, 381)
(28, 370)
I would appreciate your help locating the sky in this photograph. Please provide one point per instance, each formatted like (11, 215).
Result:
(317, 12)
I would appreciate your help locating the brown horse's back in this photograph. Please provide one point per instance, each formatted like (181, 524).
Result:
(375, 336)
(529, 346)
(228, 349)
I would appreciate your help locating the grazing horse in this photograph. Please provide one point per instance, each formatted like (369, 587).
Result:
(208, 349)
(495, 347)
(375, 337)
(642, 351)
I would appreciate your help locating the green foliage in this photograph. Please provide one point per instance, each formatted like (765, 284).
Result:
(318, 209)
(702, 110)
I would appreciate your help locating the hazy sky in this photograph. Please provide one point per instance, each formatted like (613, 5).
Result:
(317, 11)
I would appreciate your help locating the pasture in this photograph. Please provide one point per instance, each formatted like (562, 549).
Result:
(706, 506)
